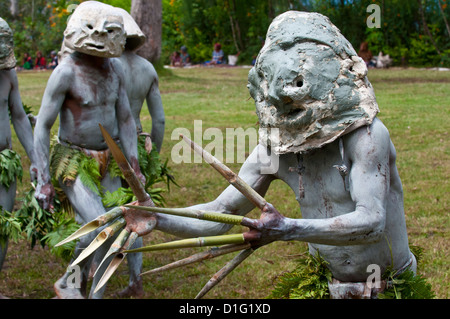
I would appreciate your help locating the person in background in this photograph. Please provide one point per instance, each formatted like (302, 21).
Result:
(27, 62)
(217, 55)
(53, 60)
(185, 57)
(366, 54)
(175, 59)
(40, 63)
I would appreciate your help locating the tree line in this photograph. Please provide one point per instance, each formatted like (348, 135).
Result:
(412, 32)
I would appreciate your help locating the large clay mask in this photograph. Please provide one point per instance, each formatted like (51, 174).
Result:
(95, 29)
(312, 88)
(135, 37)
(7, 59)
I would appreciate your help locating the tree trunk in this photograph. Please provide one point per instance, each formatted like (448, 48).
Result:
(14, 8)
(425, 27)
(235, 29)
(148, 15)
(271, 11)
(443, 17)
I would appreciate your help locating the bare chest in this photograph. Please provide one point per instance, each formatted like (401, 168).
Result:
(321, 189)
(5, 89)
(94, 88)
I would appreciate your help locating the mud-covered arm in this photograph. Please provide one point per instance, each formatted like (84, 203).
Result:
(20, 120)
(156, 110)
(230, 201)
(52, 100)
(126, 123)
(369, 187)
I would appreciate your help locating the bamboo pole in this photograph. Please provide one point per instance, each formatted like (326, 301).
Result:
(118, 243)
(209, 254)
(116, 261)
(193, 242)
(229, 175)
(194, 213)
(101, 238)
(93, 225)
(229, 267)
(127, 171)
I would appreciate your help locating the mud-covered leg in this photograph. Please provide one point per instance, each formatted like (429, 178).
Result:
(99, 267)
(3, 250)
(7, 196)
(135, 285)
(68, 287)
(88, 206)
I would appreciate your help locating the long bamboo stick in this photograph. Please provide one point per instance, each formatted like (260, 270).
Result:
(93, 225)
(193, 242)
(195, 213)
(115, 247)
(127, 171)
(101, 238)
(116, 261)
(222, 273)
(229, 175)
(209, 254)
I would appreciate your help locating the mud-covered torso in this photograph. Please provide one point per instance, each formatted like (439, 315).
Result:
(326, 195)
(90, 100)
(140, 78)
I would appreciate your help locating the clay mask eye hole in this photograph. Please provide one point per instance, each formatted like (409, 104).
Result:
(299, 82)
(90, 27)
(112, 28)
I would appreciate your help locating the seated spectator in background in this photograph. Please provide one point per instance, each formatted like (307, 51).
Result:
(217, 55)
(27, 62)
(40, 63)
(185, 57)
(233, 59)
(175, 59)
(365, 54)
(53, 60)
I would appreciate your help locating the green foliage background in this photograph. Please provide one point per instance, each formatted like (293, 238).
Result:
(240, 26)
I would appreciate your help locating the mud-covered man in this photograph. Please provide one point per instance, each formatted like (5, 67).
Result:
(317, 113)
(86, 89)
(11, 108)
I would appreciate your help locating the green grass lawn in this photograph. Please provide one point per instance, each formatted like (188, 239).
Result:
(415, 108)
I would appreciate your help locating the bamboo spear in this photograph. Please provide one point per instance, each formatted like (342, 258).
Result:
(127, 171)
(102, 237)
(194, 242)
(209, 254)
(222, 273)
(116, 261)
(93, 225)
(229, 175)
(198, 214)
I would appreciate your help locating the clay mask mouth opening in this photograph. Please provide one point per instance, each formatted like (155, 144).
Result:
(295, 112)
(96, 46)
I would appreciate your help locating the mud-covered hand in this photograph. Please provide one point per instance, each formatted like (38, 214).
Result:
(270, 227)
(44, 194)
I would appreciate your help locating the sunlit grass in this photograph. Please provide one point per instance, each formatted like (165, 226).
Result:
(415, 108)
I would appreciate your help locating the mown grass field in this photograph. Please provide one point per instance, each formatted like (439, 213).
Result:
(415, 107)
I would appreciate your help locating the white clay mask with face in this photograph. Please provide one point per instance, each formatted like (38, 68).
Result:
(7, 58)
(309, 84)
(96, 29)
